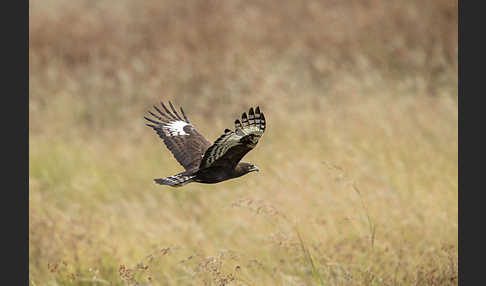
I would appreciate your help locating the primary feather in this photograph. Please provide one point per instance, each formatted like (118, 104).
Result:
(230, 147)
(180, 136)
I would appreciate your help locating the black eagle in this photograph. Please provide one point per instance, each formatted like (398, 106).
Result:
(207, 162)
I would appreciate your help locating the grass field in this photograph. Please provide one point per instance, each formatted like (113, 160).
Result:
(358, 179)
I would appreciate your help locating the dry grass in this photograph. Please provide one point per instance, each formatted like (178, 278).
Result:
(358, 180)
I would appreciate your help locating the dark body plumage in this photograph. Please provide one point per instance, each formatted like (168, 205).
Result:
(207, 162)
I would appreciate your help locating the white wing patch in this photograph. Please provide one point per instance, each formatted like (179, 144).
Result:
(175, 128)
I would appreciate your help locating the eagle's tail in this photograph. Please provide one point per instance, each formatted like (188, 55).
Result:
(178, 180)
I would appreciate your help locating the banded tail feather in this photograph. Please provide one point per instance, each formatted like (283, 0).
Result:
(178, 180)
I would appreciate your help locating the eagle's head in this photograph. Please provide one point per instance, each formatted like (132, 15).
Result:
(243, 168)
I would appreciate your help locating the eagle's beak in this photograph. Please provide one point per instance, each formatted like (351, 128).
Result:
(255, 168)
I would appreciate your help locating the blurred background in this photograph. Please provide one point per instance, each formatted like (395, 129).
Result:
(358, 165)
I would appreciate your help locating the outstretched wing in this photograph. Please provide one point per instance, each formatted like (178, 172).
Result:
(230, 147)
(180, 136)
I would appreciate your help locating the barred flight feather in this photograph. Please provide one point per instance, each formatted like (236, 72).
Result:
(247, 132)
(179, 135)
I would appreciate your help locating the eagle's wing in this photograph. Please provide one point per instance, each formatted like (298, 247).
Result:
(180, 136)
(230, 147)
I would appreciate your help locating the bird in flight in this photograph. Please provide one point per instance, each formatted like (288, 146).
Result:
(203, 161)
